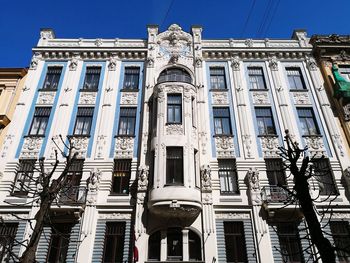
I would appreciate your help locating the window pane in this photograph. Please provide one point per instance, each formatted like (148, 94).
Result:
(217, 78)
(92, 78)
(174, 165)
(289, 242)
(222, 123)
(256, 78)
(121, 176)
(265, 121)
(83, 121)
(228, 176)
(52, 78)
(131, 78)
(127, 121)
(40, 120)
(235, 242)
(114, 242)
(174, 240)
(174, 108)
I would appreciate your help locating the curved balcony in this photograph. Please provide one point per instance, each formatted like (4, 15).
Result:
(174, 75)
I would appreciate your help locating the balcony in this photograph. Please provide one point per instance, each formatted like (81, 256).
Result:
(73, 195)
(274, 194)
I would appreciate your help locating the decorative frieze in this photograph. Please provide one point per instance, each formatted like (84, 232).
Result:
(129, 98)
(124, 147)
(315, 145)
(206, 178)
(224, 147)
(112, 216)
(174, 129)
(260, 97)
(73, 64)
(87, 98)
(142, 182)
(46, 97)
(347, 112)
(219, 97)
(269, 146)
(80, 144)
(31, 147)
(301, 98)
(232, 216)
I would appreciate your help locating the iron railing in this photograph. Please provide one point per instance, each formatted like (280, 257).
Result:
(274, 194)
(72, 195)
(175, 78)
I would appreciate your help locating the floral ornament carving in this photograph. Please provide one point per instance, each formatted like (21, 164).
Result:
(232, 216)
(150, 62)
(47, 34)
(311, 63)
(94, 180)
(235, 64)
(247, 142)
(87, 98)
(253, 179)
(7, 144)
(31, 147)
(129, 98)
(124, 147)
(219, 97)
(346, 109)
(46, 97)
(273, 63)
(248, 42)
(101, 143)
(224, 146)
(337, 141)
(174, 129)
(98, 42)
(301, 98)
(206, 177)
(112, 63)
(315, 146)
(80, 145)
(269, 146)
(73, 64)
(115, 216)
(142, 182)
(34, 63)
(260, 97)
(199, 62)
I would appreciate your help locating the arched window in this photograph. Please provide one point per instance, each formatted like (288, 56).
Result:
(174, 74)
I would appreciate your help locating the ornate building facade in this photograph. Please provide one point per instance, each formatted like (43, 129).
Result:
(178, 139)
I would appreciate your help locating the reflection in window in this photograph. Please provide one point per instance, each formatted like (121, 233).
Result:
(256, 78)
(308, 121)
(174, 107)
(127, 121)
(222, 123)
(295, 78)
(131, 78)
(92, 78)
(264, 119)
(52, 78)
(40, 120)
(217, 78)
(228, 176)
(174, 166)
(83, 121)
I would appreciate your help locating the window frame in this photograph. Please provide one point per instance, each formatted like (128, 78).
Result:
(265, 120)
(84, 118)
(56, 76)
(235, 241)
(23, 177)
(274, 171)
(227, 172)
(129, 120)
(322, 167)
(340, 237)
(115, 231)
(223, 121)
(217, 79)
(93, 82)
(42, 118)
(259, 78)
(344, 70)
(8, 233)
(61, 233)
(304, 122)
(120, 183)
(174, 166)
(130, 77)
(173, 107)
(291, 78)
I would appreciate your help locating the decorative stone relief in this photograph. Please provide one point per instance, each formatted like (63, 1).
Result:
(273, 63)
(93, 183)
(347, 112)
(235, 63)
(129, 98)
(7, 144)
(337, 141)
(98, 42)
(47, 34)
(224, 146)
(31, 147)
(269, 146)
(73, 64)
(203, 139)
(206, 178)
(174, 129)
(232, 216)
(150, 62)
(112, 63)
(199, 62)
(46, 97)
(142, 182)
(260, 97)
(34, 63)
(301, 98)
(337, 215)
(248, 42)
(219, 97)
(80, 144)
(311, 64)
(315, 145)
(87, 98)
(247, 142)
(253, 179)
(101, 143)
(114, 216)
(124, 147)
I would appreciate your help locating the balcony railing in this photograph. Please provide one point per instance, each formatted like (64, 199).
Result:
(175, 78)
(274, 194)
(72, 195)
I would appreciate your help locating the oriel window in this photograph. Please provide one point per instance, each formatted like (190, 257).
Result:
(174, 166)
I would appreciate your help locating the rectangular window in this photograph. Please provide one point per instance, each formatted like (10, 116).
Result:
(217, 78)
(40, 120)
(193, 109)
(228, 176)
(324, 176)
(7, 235)
(83, 121)
(222, 122)
(256, 78)
(92, 78)
(235, 242)
(52, 78)
(174, 108)
(341, 236)
(59, 242)
(344, 70)
(308, 121)
(127, 121)
(264, 119)
(24, 176)
(121, 176)
(174, 166)
(114, 242)
(275, 172)
(295, 79)
(70, 193)
(289, 240)
(131, 78)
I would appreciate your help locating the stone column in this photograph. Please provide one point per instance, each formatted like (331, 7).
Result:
(185, 248)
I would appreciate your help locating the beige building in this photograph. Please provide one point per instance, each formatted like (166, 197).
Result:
(11, 84)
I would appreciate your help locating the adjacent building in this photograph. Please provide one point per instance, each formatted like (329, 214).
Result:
(180, 135)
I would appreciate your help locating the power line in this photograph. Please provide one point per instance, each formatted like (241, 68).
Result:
(167, 13)
(248, 18)
(265, 17)
(272, 17)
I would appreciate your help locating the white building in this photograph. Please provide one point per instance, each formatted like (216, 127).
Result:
(174, 127)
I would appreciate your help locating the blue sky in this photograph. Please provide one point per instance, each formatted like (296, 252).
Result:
(20, 21)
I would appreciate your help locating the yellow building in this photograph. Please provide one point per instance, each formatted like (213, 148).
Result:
(332, 53)
(11, 85)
